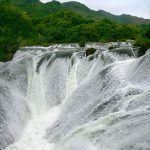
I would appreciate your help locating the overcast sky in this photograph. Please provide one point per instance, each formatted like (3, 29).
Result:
(140, 8)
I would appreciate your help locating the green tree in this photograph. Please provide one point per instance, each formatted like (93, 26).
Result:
(15, 28)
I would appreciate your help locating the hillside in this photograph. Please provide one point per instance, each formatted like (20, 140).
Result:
(87, 12)
(39, 10)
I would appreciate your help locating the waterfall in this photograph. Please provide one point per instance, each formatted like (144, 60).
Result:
(72, 75)
(36, 89)
(56, 98)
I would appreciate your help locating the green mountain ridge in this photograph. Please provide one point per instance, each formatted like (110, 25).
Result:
(87, 12)
(39, 10)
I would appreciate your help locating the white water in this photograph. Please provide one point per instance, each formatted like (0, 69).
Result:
(58, 100)
(42, 116)
(36, 89)
(72, 77)
(33, 135)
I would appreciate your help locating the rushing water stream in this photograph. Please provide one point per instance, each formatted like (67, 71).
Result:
(56, 98)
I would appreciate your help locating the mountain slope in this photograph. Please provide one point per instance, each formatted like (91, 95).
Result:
(87, 12)
(132, 19)
(81, 9)
(39, 10)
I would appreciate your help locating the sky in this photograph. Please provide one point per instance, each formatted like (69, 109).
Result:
(140, 8)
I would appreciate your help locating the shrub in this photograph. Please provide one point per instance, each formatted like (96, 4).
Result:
(82, 44)
(144, 45)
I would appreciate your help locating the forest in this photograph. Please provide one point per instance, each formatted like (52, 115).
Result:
(46, 24)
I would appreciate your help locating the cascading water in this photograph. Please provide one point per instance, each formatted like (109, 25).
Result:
(55, 98)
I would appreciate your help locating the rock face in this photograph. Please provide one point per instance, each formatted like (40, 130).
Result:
(90, 51)
(103, 102)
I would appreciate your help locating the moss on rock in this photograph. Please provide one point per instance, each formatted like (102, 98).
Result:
(90, 51)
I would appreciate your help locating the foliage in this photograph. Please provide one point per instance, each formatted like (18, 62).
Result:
(143, 40)
(16, 30)
(82, 43)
